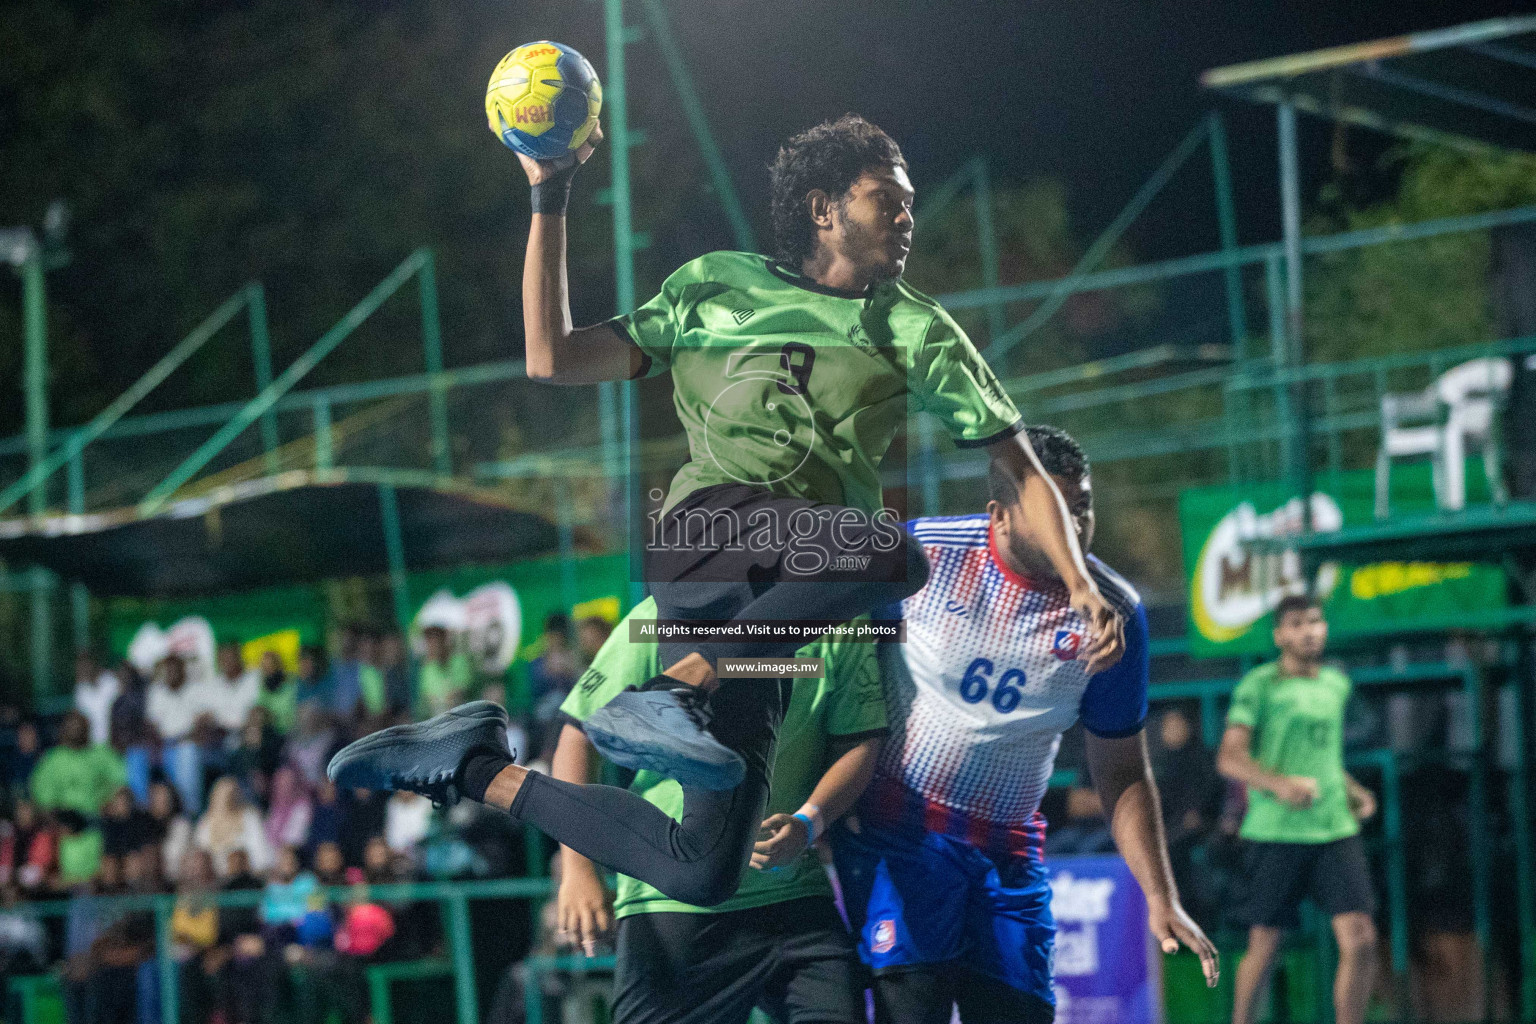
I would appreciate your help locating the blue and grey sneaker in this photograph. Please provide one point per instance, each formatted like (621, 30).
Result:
(665, 728)
(423, 757)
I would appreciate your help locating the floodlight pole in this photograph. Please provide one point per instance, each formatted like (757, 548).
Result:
(26, 254)
(1295, 351)
(620, 140)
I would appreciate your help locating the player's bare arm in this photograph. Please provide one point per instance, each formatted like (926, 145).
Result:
(783, 837)
(1235, 761)
(1362, 802)
(1122, 775)
(584, 904)
(556, 351)
(1056, 535)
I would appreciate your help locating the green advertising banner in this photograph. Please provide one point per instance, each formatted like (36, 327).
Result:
(501, 609)
(499, 612)
(1232, 591)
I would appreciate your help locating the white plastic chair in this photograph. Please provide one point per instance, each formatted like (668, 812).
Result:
(1455, 414)
(1410, 428)
(1472, 393)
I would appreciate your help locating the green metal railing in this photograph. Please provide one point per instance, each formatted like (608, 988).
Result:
(454, 898)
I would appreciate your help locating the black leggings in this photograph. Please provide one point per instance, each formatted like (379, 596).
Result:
(836, 564)
(698, 860)
(707, 562)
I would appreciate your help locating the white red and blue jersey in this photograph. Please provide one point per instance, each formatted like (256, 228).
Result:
(982, 689)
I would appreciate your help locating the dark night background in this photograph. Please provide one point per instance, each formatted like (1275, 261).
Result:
(312, 146)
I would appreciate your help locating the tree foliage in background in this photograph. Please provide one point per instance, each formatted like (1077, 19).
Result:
(1036, 242)
(1406, 296)
(202, 144)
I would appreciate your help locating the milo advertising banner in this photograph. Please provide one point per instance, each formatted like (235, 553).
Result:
(1232, 590)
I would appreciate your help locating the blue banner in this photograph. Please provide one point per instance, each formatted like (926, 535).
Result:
(1106, 972)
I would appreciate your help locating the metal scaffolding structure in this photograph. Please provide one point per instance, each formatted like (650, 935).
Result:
(1261, 425)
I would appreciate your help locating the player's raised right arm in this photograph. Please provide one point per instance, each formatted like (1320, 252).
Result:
(556, 351)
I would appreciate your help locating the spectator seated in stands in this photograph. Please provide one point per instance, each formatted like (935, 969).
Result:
(124, 826)
(279, 693)
(177, 709)
(330, 867)
(230, 824)
(289, 811)
(19, 760)
(370, 676)
(313, 740)
(23, 940)
(591, 633)
(257, 754)
(195, 946)
(233, 690)
(29, 850)
(77, 775)
(250, 989)
(346, 696)
(325, 817)
(131, 734)
(315, 684)
(167, 830)
(395, 665)
(96, 690)
(79, 849)
(446, 674)
(550, 678)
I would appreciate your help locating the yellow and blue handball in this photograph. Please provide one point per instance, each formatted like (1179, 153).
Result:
(543, 100)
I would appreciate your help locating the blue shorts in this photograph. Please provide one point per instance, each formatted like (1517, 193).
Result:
(932, 899)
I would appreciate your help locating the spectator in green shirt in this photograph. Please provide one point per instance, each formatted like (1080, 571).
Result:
(79, 849)
(445, 676)
(76, 775)
(1285, 742)
(279, 693)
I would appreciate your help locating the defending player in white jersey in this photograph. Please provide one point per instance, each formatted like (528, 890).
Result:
(943, 867)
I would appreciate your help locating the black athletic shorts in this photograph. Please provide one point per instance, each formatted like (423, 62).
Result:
(1278, 876)
(794, 959)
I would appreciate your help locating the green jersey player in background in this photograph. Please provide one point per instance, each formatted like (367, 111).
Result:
(791, 376)
(779, 943)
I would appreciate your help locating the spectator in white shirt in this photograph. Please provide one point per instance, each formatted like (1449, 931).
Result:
(174, 707)
(95, 691)
(174, 702)
(233, 690)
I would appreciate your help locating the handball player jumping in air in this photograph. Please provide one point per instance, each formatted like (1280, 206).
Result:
(791, 376)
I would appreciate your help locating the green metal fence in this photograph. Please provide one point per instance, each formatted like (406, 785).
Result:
(453, 897)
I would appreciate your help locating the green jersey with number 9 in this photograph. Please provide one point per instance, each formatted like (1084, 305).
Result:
(788, 385)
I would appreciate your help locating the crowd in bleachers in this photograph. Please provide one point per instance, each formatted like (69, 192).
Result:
(186, 782)
(190, 782)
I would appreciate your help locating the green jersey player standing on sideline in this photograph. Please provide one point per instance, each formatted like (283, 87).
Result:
(1285, 742)
(779, 943)
(791, 377)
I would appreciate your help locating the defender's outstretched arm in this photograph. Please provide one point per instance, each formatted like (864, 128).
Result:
(1122, 774)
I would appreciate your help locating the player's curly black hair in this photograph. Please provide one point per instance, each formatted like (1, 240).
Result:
(1059, 455)
(829, 156)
